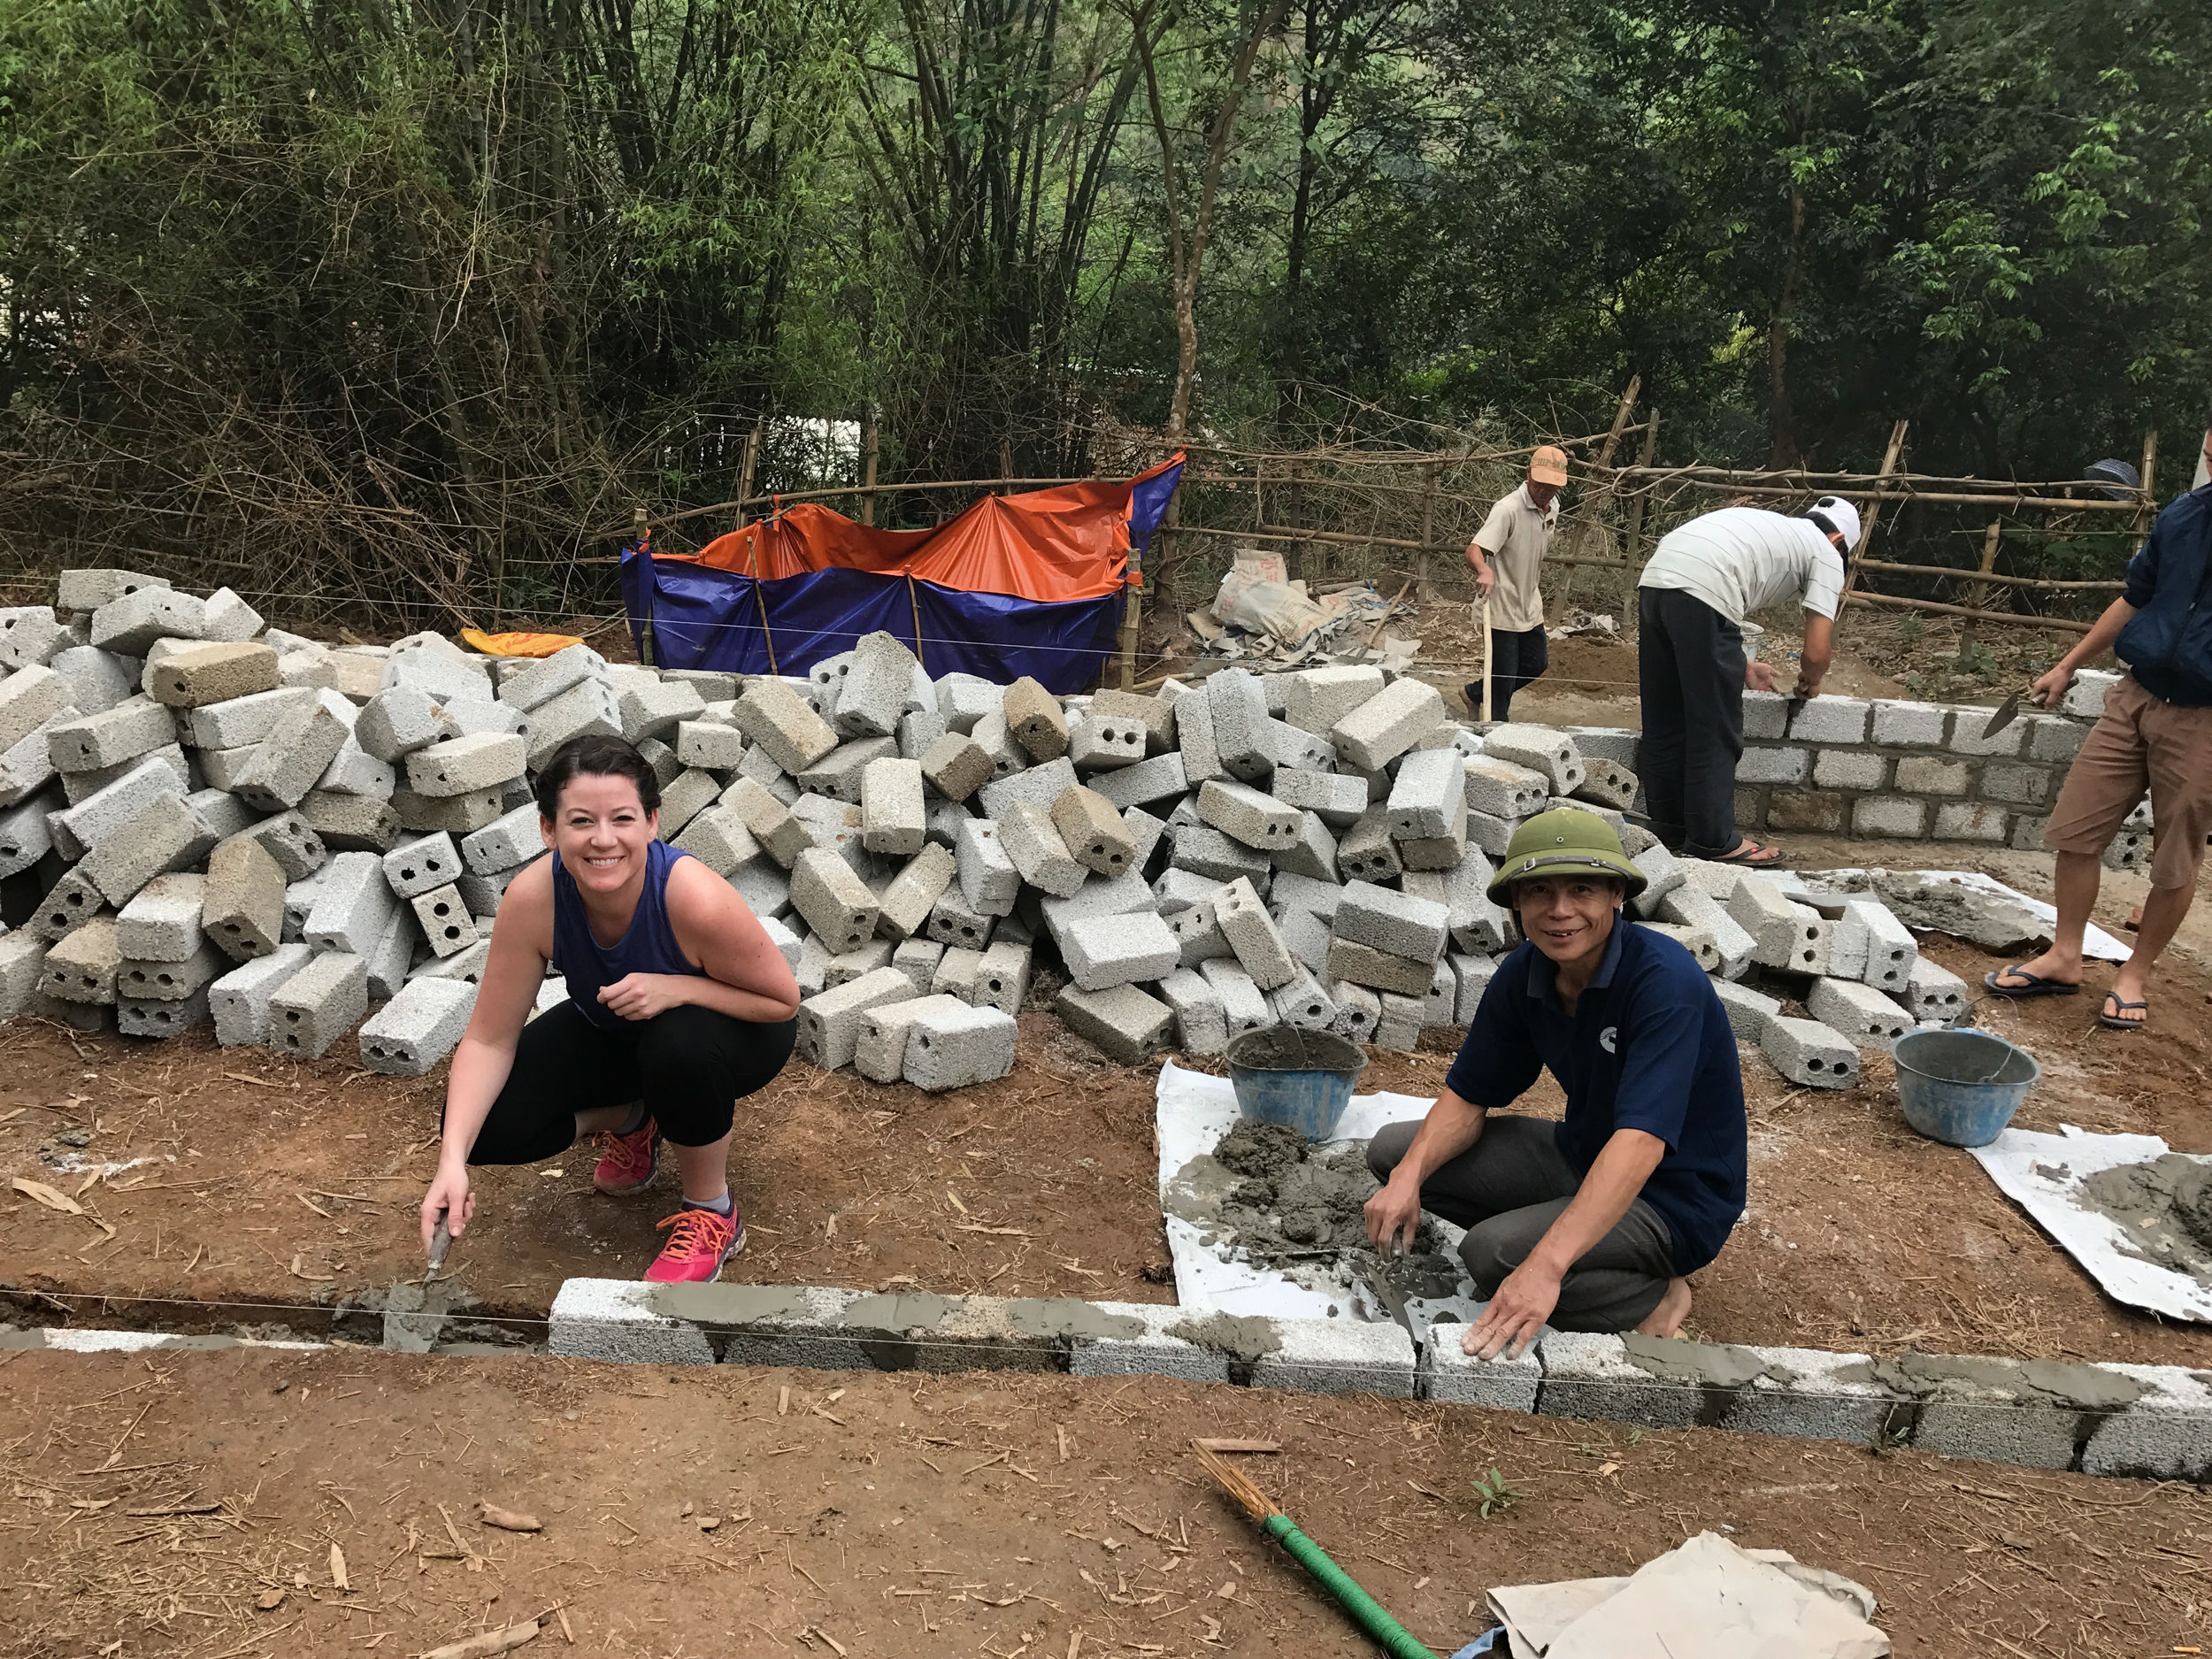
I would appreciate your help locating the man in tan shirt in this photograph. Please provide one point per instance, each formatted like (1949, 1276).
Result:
(1504, 557)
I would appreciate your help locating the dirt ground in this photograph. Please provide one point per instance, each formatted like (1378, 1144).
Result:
(203, 1506)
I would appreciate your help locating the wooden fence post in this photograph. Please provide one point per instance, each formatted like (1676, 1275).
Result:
(868, 446)
(1978, 592)
(745, 471)
(1891, 458)
(1429, 481)
(1604, 460)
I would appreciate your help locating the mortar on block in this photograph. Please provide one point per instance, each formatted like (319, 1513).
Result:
(1297, 1079)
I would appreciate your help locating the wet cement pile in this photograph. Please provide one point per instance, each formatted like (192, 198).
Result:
(1282, 1205)
(2163, 1208)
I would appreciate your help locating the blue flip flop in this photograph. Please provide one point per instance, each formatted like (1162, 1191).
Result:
(2036, 985)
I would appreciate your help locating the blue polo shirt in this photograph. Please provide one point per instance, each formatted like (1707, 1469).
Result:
(1648, 1047)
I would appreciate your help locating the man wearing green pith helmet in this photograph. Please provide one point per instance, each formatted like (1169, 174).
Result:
(1594, 1223)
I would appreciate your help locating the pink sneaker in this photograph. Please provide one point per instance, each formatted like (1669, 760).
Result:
(699, 1242)
(627, 1163)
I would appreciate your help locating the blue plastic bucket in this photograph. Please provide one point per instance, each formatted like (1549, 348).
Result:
(1301, 1080)
(1961, 1088)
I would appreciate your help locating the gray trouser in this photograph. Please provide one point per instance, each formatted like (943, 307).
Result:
(1506, 1190)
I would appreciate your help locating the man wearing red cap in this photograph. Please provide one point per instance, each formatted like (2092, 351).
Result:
(1504, 557)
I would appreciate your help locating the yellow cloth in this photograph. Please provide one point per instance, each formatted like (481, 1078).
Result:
(518, 644)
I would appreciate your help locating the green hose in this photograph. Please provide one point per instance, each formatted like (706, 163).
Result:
(1393, 1637)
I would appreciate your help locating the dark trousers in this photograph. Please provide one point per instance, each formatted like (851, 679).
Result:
(1516, 659)
(1507, 1190)
(690, 1065)
(1690, 671)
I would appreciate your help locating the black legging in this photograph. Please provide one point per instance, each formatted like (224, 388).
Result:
(1517, 658)
(690, 1066)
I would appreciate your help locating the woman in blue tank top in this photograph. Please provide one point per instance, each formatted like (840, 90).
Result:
(679, 1004)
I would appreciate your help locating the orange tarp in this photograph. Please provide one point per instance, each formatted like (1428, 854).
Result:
(1048, 545)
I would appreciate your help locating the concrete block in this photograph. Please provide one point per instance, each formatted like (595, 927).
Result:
(201, 674)
(1092, 832)
(1457, 1378)
(539, 682)
(955, 976)
(129, 625)
(613, 1320)
(964, 699)
(1283, 744)
(82, 966)
(1490, 832)
(891, 816)
(319, 1004)
(30, 636)
(169, 982)
(917, 958)
(838, 907)
(1932, 774)
(1339, 1357)
(418, 1027)
(2014, 783)
(1429, 798)
(877, 688)
(1400, 1026)
(1156, 716)
(1971, 821)
(89, 741)
(444, 919)
(1101, 951)
(850, 964)
(32, 697)
(1205, 851)
(98, 679)
(1967, 739)
(299, 905)
(1315, 699)
(1034, 719)
(1824, 720)
(1202, 1025)
(830, 1021)
(1766, 764)
(1909, 725)
(353, 905)
(770, 821)
(1312, 854)
(2164, 1434)
(1340, 799)
(953, 923)
(1237, 706)
(455, 814)
(1850, 769)
(1302, 1002)
(162, 924)
(462, 764)
(243, 722)
(2050, 739)
(1008, 758)
(659, 707)
(1608, 784)
(1748, 1010)
(157, 1017)
(919, 730)
(1806, 1051)
(1765, 715)
(351, 823)
(1105, 896)
(1784, 935)
(78, 786)
(989, 882)
(1859, 1013)
(1252, 935)
(1245, 815)
(1471, 978)
(25, 836)
(1696, 940)
(1197, 930)
(509, 841)
(2085, 697)
(1933, 992)
(956, 766)
(229, 617)
(1378, 970)
(1001, 978)
(839, 773)
(289, 839)
(311, 666)
(1244, 1006)
(1388, 724)
(709, 745)
(354, 771)
(100, 814)
(588, 708)
(1400, 923)
(26, 767)
(395, 723)
(910, 896)
(1103, 743)
(1538, 748)
(1890, 816)
(1194, 738)
(301, 743)
(879, 1051)
(1026, 833)
(465, 965)
(87, 590)
(1124, 1022)
(1366, 853)
(1502, 789)
(1891, 948)
(243, 903)
(953, 1048)
(159, 836)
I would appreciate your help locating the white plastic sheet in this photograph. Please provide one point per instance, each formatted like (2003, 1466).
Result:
(2041, 1172)
(1195, 1111)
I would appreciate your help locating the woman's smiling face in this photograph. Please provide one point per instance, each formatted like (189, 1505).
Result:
(601, 831)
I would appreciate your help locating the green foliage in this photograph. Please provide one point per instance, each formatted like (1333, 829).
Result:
(1910, 626)
(1493, 1496)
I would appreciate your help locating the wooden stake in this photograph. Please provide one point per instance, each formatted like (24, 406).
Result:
(914, 600)
(1891, 459)
(1488, 650)
(1977, 594)
(868, 445)
(1605, 459)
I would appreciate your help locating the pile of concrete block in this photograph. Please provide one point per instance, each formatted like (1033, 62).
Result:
(203, 818)
(221, 821)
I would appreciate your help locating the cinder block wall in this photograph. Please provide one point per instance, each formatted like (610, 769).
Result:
(1859, 767)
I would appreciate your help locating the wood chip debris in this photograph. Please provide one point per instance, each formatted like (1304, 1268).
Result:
(508, 1520)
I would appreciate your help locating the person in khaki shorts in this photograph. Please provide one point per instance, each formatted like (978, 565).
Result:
(2155, 733)
(1504, 557)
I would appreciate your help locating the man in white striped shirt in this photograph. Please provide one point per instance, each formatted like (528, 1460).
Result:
(1705, 577)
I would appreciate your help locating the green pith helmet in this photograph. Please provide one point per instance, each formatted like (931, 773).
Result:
(1567, 839)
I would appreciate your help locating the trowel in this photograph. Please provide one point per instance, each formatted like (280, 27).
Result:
(2007, 710)
(413, 1313)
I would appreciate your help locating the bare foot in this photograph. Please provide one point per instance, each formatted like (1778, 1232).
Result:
(1674, 1307)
